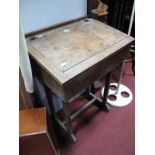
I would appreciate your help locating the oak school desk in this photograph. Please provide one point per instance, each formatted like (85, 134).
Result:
(70, 58)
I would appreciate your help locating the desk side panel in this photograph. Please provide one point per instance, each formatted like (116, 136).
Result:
(47, 79)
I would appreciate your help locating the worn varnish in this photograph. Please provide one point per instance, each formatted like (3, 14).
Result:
(73, 56)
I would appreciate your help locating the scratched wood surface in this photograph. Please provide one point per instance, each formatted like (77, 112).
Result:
(67, 52)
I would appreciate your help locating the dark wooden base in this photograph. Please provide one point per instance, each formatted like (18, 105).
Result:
(93, 100)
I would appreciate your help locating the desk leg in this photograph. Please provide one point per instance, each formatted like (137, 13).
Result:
(66, 125)
(68, 122)
(89, 90)
(106, 91)
(92, 88)
(102, 104)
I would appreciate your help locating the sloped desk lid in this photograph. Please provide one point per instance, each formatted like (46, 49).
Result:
(67, 51)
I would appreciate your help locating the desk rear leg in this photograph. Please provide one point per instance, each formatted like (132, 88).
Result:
(100, 103)
(103, 105)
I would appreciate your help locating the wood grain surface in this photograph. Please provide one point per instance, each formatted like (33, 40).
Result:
(69, 55)
(32, 121)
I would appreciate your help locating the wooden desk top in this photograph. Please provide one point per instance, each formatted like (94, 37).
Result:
(70, 50)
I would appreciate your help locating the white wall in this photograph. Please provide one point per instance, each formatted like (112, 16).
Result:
(37, 14)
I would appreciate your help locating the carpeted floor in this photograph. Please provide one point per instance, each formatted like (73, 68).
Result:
(101, 133)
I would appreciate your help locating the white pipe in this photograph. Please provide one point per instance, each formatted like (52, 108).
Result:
(131, 19)
(24, 62)
(129, 32)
